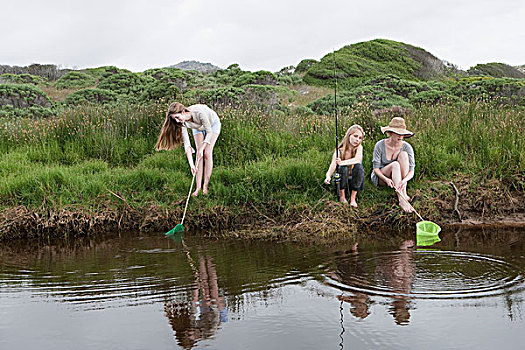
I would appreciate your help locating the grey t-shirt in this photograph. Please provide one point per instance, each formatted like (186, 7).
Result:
(379, 160)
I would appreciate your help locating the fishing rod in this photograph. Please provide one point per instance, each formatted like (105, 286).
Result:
(335, 106)
(337, 175)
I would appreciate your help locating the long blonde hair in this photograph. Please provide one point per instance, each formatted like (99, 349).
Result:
(345, 142)
(170, 136)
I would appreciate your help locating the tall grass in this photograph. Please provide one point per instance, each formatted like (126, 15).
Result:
(260, 156)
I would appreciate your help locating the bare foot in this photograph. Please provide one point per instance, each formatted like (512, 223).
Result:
(353, 204)
(196, 192)
(343, 200)
(205, 190)
(407, 244)
(405, 206)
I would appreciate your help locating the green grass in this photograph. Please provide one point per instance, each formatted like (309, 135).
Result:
(260, 158)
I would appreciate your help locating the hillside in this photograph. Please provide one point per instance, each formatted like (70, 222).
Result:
(366, 60)
(496, 70)
(381, 73)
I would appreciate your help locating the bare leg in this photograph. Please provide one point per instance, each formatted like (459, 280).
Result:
(208, 162)
(353, 201)
(342, 196)
(199, 138)
(393, 171)
(403, 160)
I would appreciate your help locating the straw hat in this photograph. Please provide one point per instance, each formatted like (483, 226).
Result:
(397, 126)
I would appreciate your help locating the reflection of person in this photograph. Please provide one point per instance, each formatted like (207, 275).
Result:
(206, 128)
(351, 272)
(347, 160)
(201, 318)
(399, 274)
(393, 160)
(395, 273)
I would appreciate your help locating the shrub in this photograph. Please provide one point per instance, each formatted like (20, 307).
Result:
(377, 93)
(159, 90)
(181, 79)
(255, 78)
(130, 84)
(100, 96)
(432, 97)
(24, 100)
(496, 70)
(499, 90)
(292, 79)
(75, 80)
(9, 78)
(105, 71)
(304, 65)
(217, 97)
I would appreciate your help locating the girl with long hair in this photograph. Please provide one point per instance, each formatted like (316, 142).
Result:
(348, 158)
(206, 127)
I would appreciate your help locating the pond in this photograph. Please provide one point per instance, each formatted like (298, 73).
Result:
(134, 291)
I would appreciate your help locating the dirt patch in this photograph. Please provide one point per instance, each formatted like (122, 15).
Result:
(485, 204)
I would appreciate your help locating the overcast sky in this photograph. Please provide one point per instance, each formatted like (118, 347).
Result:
(256, 34)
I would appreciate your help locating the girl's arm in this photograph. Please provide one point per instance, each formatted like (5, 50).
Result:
(379, 174)
(331, 169)
(358, 158)
(188, 149)
(376, 163)
(189, 155)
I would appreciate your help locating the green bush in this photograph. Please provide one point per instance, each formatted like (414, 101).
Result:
(22, 79)
(105, 71)
(370, 59)
(496, 70)
(100, 96)
(375, 93)
(499, 90)
(304, 65)
(75, 80)
(130, 84)
(432, 97)
(228, 95)
(161, 91)
(24, 100)
(292, 79)
(180, 78)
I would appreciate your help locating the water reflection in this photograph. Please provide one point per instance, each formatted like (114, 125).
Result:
(398, 273)
(162, 294)
(351, 270)
(201, 315)
(393, 271)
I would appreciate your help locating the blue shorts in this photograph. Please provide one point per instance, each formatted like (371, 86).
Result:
(215, 128)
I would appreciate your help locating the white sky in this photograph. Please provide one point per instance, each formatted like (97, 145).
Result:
(256, 34)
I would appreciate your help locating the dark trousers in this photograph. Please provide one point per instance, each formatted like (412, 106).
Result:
(355, 181)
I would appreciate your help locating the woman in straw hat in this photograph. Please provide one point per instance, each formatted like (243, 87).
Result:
(206, 127)
(347, 159)
(393, 160)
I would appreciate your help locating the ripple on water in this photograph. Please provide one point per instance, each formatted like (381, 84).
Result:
(425, 274)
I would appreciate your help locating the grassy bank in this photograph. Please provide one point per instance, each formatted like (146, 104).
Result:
(262, 160)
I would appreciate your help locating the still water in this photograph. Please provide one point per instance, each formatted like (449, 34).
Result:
(151, 292)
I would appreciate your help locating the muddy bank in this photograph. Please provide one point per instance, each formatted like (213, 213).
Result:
(488, 204)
